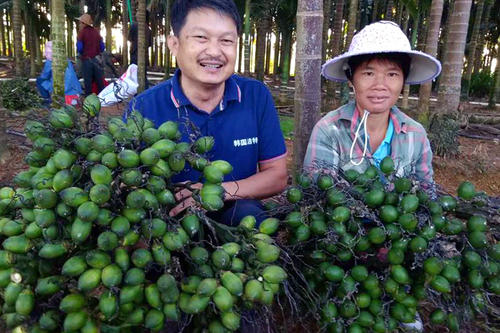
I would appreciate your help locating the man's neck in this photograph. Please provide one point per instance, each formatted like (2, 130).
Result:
(204, 97)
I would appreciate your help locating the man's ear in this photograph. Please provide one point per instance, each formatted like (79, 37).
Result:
(173, 44)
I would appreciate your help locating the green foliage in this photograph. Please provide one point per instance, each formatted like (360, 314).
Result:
(287, 126)
(17, 94)
(481, 84)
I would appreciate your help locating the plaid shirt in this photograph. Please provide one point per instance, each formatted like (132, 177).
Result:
(333, 135)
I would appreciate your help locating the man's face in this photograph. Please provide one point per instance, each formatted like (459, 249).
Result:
(205, 49)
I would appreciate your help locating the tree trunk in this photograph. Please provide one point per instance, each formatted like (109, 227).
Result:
(260, 51)
(351, 27)
(399, 12)
(336, 46)
(33, 46)
(376, 4)
(307, 74)
(472, 47)
(268, 51)
(247, 37)
(495, 94)
(108, 24)
(327, 6)
(2, 34)
(154, 46)
(277, 48)
(81, 6)
(69, 37)
(9, 29)
(18, 38)
(141, 44)
(240, 54)
(285, 64)
(59, 56)
(406, 90)
(449, 89)
(388, 11)
(168, 64)
(482, 32)
(124, 33)
(431, 46)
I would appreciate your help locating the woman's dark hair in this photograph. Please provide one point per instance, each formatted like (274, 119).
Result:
(181, 9)
(403, 60)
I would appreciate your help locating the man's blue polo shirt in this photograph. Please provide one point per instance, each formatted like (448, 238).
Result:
(245, 125)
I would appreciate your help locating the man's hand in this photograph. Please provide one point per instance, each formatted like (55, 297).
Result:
(184, 197)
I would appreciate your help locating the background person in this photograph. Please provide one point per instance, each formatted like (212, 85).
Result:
(89, 45)
(44, 83)
(238, 112)
(361, 133)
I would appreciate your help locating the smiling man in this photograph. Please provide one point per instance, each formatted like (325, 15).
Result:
(238, 112)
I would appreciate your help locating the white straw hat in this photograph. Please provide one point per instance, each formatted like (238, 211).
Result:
(383, 37)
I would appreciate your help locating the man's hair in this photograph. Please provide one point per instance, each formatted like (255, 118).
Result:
(402, 60)
(181, 9)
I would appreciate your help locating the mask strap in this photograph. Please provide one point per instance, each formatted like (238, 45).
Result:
(363, 123)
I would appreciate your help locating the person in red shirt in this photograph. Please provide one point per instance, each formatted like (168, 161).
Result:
(89, 45)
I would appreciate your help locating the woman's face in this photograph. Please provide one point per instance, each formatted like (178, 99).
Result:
(377, 85)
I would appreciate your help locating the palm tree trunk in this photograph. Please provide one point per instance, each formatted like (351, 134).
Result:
(388, 11)
(351, 27)
(9, 30)
(495, 95)
(268, 51)
(482, 32)
(472, 47)
(399, 12)
(376, 4)
(449, 89)
(18, 39)
(69, 37)
(277, 48)
(33, 46)
(166, 5)
(307, 74)
(59, 57)
(141, 44)
(260, 51)
(240, 54)
(415, 28)
(81, 6)
(124, 33)
(154, 33)
(247, 37)
(108, 25)
(285, 64)
(2, 33)
(431, 46)
(336, 46)
(327, 6)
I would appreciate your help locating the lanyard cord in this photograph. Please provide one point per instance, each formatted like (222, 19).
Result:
(129, 11)
(364, 119)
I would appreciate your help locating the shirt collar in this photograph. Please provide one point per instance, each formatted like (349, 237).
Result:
(232, 92)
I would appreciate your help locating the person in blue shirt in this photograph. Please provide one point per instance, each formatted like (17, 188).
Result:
(44, 83)
(238, 112)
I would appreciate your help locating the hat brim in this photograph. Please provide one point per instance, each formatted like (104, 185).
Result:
(423, 67)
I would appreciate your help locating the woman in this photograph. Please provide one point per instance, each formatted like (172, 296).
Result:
(377, 66)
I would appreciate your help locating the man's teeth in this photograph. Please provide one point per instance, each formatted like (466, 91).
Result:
(211, 66)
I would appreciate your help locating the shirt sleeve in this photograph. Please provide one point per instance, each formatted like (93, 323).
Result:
(423, 168)
(79, 47)
(271, 142)
(323, 149)
(102, 47)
